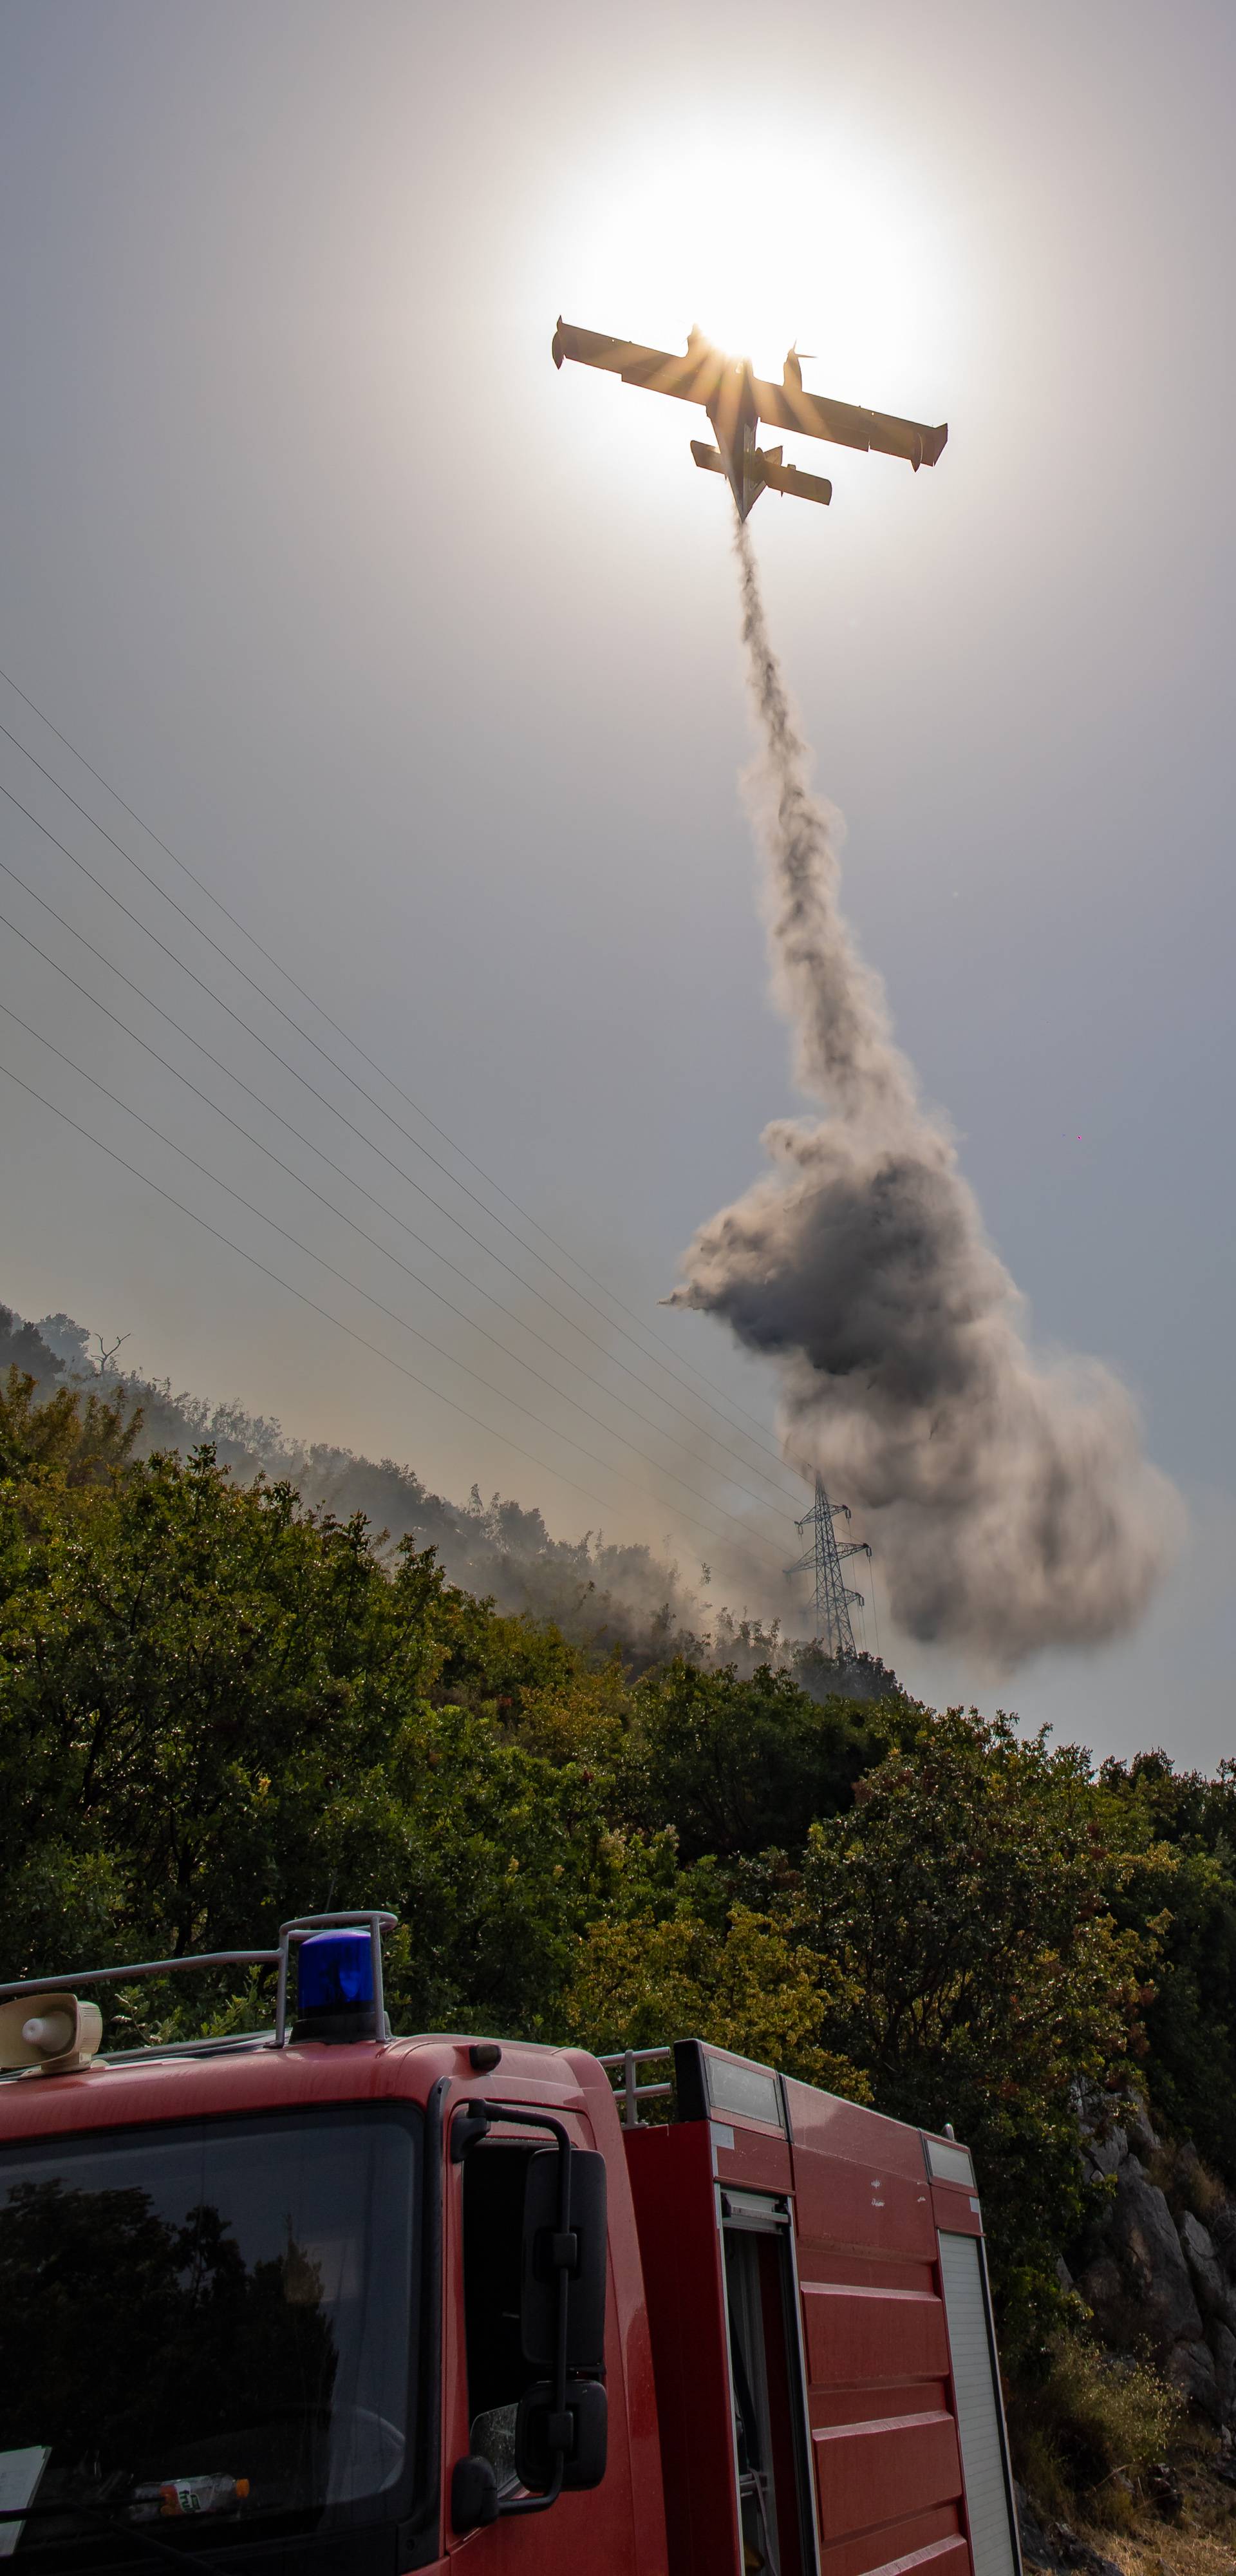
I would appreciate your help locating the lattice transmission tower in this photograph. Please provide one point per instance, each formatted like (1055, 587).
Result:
(833, 1626)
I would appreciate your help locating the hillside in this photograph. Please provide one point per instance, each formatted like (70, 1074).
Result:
(600, 1595)
(220, 1707)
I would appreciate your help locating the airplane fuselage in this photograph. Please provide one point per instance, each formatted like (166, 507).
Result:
(735, 419)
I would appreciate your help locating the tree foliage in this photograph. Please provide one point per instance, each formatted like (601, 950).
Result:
(66, 1440)
(218, 1709)
(737, 1765)
(745, 1987)
(967, 1898)
(1190, 1877)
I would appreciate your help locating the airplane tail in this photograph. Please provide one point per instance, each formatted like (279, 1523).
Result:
(764, 467)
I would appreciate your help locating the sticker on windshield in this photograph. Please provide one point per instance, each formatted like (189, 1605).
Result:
(20, 2472)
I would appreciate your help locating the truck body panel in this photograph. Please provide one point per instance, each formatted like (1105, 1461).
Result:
(883, 2428)
(799, 2364)
(864, 2364)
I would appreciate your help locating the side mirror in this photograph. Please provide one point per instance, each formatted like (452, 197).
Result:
(580, 2436)
(474, 2493)
(582, 2255)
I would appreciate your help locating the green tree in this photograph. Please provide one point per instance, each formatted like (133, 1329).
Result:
(71, 1439)
(966, 1900)
(641, 1983)
(738, 1765)
(1189, 1878)
(217, 1709)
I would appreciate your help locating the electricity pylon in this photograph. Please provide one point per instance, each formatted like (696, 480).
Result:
(833, 1627)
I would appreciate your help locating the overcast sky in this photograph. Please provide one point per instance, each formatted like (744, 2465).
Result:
(423, 658)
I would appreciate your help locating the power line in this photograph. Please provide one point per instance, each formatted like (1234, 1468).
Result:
(320, 1096)
(760, 1500)
(390, 1313)
(305, 1300)
(312, 1147)
(469, 1321)
(272, 960)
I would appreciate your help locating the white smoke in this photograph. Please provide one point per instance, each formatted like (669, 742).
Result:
(1009, 1497)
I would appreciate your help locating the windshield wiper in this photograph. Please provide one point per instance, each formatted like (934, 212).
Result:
(134, 2531)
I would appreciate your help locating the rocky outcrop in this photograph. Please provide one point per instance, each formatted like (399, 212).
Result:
(1145, 2244)
(1223, 2345)
(1211, 2282)
(1158, 2282)
(1054, 2547)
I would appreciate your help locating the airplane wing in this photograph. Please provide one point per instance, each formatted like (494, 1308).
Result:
(698, 376)
(692, 378)
(818, 416)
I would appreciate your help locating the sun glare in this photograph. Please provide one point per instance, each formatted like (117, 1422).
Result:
(762, 241)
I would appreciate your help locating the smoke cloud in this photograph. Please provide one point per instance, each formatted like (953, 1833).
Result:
(1008, 1496)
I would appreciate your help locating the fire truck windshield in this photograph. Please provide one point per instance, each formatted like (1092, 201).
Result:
(207, 2322)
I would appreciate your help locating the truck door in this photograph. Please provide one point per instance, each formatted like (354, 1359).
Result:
(766, 2385)
(490, 2368)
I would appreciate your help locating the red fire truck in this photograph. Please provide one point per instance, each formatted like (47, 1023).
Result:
(323, 2300)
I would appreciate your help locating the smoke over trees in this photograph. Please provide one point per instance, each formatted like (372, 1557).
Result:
(1009, 1498)
(610, 1597)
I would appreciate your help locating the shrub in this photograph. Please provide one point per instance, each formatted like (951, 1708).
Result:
(1092, 2420)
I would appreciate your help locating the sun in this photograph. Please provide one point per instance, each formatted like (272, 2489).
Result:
(764, 240)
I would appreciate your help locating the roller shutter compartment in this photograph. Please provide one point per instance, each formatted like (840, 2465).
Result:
(979, 2421)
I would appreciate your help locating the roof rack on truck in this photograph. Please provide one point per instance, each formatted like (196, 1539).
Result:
(316, 1928)
(338, 2303)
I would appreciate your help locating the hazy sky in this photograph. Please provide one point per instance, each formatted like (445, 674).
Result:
(424, 659)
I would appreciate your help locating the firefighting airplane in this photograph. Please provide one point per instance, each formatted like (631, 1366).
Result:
(736, 401)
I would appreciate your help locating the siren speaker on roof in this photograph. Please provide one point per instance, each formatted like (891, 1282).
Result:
(54, 2032)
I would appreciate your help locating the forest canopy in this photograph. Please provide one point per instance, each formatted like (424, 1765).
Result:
(219, 1708)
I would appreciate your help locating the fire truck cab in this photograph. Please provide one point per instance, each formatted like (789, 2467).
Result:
(328, 2301)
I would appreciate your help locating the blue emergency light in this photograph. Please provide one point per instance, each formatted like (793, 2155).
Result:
(334, 1979)
(335, 1969)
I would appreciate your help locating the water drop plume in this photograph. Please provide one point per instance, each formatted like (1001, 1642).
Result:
(1008, 1494)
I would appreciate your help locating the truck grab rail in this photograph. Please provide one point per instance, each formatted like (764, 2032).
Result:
(630, 2092)
(374, 1919)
